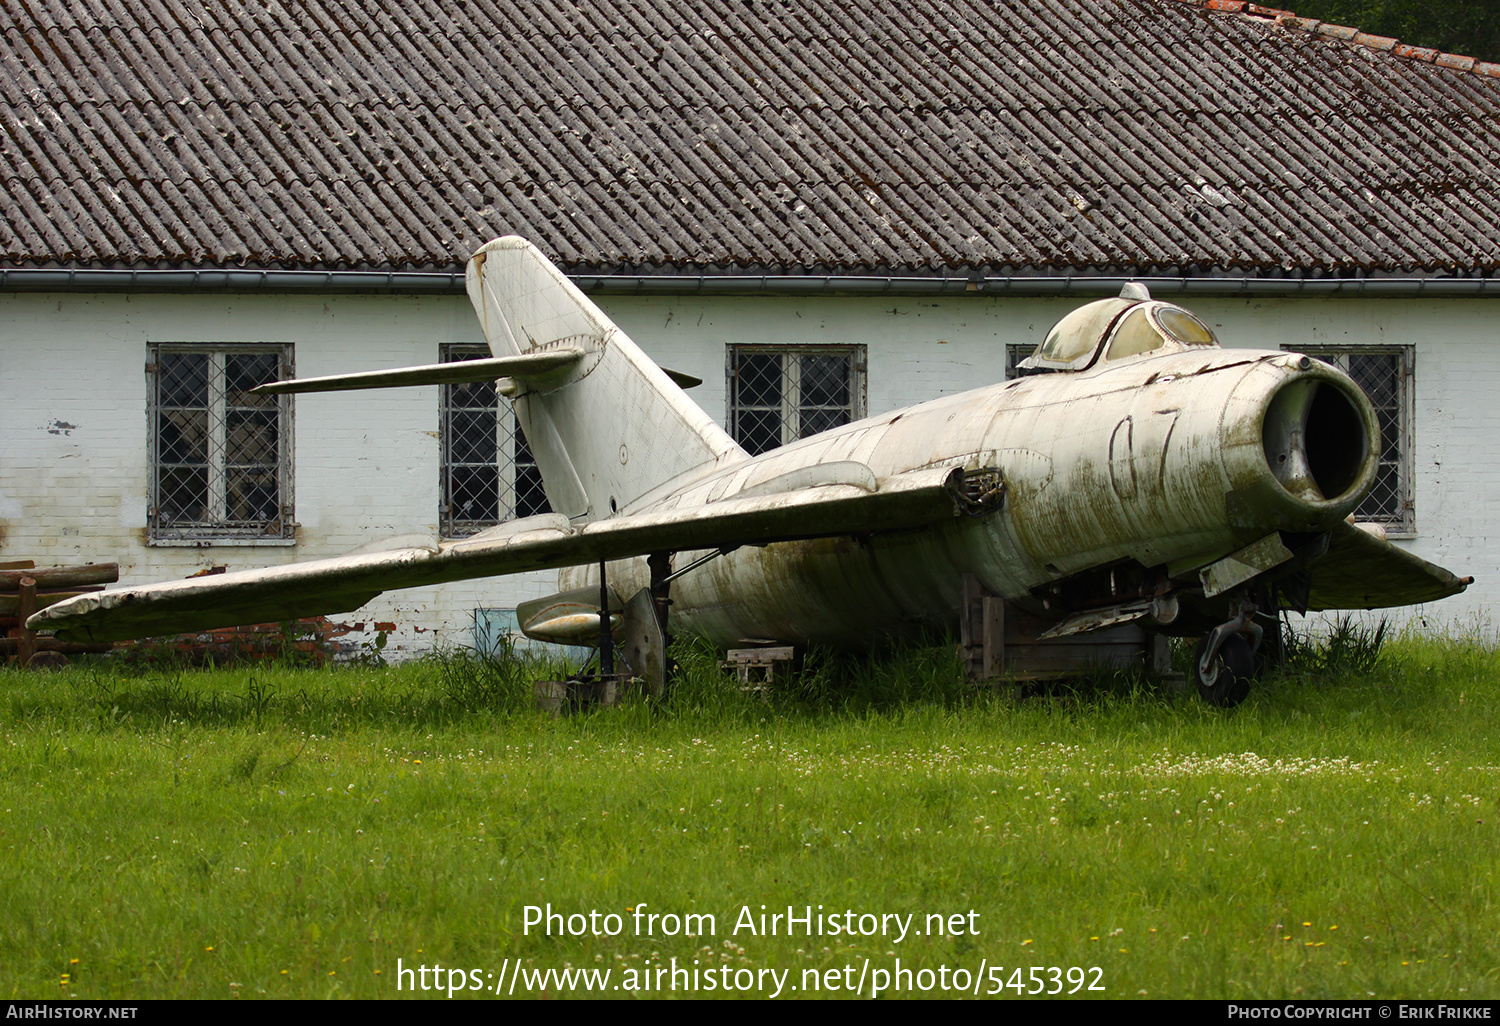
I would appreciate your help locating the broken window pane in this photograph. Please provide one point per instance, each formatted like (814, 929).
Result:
(487, 471)
(531, 497)
(182, 379)
(782, 393)
(221, 461)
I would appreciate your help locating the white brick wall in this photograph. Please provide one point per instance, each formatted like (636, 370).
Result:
(73, 452)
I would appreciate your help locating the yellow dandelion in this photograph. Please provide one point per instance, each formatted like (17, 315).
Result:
(72, 961)
(209, 948)
(1026, 942)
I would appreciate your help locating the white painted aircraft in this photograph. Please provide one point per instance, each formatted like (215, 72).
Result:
(1135, 473)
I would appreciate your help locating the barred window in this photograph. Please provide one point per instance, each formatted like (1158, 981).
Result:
(778, 394)
(488, 473)
(1386, 374)
(221, 458)
(1014, 354)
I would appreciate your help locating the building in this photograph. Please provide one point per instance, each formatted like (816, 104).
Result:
(821, 209)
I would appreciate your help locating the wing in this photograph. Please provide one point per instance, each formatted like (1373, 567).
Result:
(1361, 571)
(916, 499)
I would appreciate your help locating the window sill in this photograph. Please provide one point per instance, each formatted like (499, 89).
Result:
(221, 543)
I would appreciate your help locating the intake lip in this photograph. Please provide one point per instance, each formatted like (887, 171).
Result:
(1317, 434)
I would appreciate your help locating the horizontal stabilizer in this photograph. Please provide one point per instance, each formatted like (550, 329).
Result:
(916, 499)
(682, 379)
(1361, 571)
(457, 372)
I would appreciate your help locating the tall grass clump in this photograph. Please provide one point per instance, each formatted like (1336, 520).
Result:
(1347, 646)
(500, 680)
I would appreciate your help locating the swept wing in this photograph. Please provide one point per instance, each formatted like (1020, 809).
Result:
(916, 499)
(1361, 571)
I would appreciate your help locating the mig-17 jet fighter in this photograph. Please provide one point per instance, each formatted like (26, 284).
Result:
(1134, 473)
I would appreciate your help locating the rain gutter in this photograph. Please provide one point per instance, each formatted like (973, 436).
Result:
(239, 280)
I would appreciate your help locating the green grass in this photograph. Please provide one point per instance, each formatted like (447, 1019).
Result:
(293, 832)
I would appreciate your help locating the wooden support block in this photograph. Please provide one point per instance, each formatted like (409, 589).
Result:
(18, 564)
(579, 694)
(756, 667)
(760, 656)
(971, 627)
(982, 625)
(992, 637)
(1001, 641)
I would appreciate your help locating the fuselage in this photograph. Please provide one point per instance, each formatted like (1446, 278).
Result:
(1167, 461)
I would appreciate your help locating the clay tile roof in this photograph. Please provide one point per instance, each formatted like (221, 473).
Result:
(1193, 137)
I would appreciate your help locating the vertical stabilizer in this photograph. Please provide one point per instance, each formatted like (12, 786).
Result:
(611, 426)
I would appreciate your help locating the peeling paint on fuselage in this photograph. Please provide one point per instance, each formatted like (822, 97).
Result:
(1192, 438)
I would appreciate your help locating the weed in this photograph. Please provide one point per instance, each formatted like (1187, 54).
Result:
(1346, 647)
(499, 680)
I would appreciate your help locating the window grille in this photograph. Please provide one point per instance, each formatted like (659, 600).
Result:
(220, 457)
(1014, 354)
(778, 394)
(488, 473)
(1386, 374)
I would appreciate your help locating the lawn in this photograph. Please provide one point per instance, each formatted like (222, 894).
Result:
(379, 832)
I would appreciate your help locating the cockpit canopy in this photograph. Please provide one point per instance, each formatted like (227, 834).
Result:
(1129, 325)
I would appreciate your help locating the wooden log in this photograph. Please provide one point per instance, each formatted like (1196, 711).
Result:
(45, 644)
(11, 604)
(18, 564)
(58, 576)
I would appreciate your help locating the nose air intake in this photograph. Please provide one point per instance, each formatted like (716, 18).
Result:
(1317, 441)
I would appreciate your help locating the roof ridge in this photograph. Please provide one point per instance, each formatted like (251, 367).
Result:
(1388, 44)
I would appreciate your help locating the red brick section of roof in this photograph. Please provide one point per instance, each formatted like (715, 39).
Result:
(1290, 20)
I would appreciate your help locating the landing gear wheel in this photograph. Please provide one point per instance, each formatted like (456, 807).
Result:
(1227, 681)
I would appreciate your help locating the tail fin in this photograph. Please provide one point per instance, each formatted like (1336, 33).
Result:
(607, 428)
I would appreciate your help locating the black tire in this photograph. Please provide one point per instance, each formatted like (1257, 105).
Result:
(1227, 682)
